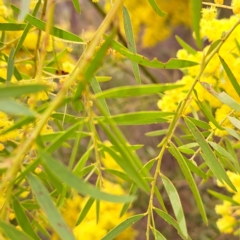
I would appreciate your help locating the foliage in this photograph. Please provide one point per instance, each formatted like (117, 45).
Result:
(51, 102)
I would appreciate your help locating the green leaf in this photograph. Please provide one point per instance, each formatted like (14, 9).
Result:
(22, 219)
(63, 174)
(18, 90)
(160, 199)
(171, 64)
(122, 226)
(209, 156)
(188, 176)
(199, 123)
(235, 122)
(157, 133)
(132, 91)
(223, 197)
(130, 41)
(196, 7)
(226, 154)
(56, 143)
(207, 112)
(26, 29)
(56, 32)
(12, 26)
(85, 210)
(186, 150)
(222, 97)
(127, 166)
(46, 203)
(119, 174)
(95, 63)
(12, 107)
(82, 161)
(10, 66)
(233, 133)
(156, 8)
(134, 187)
(230, 75)
(97, 89)
(103, 78)
(13, 233)
(213, 46)
(76, 5)
(25, 4)
(185, 46)
(139, 118)
(158, 235)
(170, 220)
(176, 204)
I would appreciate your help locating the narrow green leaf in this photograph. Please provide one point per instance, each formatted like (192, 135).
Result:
(62, 173)
(171, 64)
(230, 75)
(199, 123)
(18, 90)
(233, 133)
(170, 220)
(213, 46)
(85, 210)
(46, 203)
(157, 133)
(26, 29)
(76, 5)
(127, 167)
(130, 41)
(134, 187)
(12, 26)
(82, 161)
(13, 233)
(139, 118)
(122, 226)
(132, 91)
(176, 205)
(185, 46)
(160, 199)
(103, 78)
(97, 89)
(22, 219)
(12, 107)
(235, 122)
(25, 4)
(207, 112)
(226, 154)
(156, 8)
(95, 63)
(209, 156)
(186, 150)
(56, 32)
(10, 66)
(188, 176)
(196, 7)
(63, 137)
(119, 174)
(158, 235)
(223, 197)
(222, 97)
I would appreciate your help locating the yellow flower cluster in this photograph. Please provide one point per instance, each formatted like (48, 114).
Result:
(152, 27)
(108, 216)
(229, 212)
(214, 74)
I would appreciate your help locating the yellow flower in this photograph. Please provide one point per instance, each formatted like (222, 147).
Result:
(236, 6)
(219, 1)
(209, 13)
(223, 209)
(226, 224)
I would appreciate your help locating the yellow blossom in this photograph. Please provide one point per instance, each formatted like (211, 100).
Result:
(226, 224)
